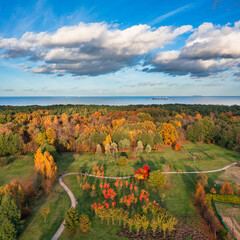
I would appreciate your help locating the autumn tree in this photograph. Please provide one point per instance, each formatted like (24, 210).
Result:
(45, 167)
(200, 195)
(226, 189)
(168, 132)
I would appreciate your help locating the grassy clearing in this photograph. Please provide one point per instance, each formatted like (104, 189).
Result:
(19, 167)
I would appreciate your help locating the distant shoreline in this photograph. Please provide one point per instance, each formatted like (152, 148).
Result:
(117, 100)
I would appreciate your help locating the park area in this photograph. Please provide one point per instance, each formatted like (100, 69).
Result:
(174, 200)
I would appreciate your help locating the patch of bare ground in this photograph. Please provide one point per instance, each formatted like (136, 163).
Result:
(232, 228)
(186, 227)
(230, 175)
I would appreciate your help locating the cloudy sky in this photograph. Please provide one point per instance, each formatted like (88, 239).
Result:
(118, 48)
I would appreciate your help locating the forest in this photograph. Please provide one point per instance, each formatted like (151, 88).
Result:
(82, 128)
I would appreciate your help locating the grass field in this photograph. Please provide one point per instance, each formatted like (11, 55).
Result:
(178, 196)
(19, 167)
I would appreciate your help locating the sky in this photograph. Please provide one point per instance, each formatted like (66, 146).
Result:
(120, 48)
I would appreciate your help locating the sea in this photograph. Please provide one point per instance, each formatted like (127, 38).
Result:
(120, 100)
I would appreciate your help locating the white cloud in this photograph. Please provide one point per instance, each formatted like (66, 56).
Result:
(208, 51)
(89, 49)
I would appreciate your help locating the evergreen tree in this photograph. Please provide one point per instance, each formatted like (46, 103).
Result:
(10, 211)
(7, 230)
(71, 220)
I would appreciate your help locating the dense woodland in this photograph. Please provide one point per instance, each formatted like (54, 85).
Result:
(80, 128)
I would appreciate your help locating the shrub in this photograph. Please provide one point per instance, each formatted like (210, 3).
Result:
(202, 179)
(85, 223)
(142, 173)
(177, 146)
(3, 161)
(157, 179)
(224, 198)
(122, 161)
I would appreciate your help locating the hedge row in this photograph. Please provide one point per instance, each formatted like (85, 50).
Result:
(234, 199)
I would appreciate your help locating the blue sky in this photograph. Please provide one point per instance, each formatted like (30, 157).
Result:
(119, 48)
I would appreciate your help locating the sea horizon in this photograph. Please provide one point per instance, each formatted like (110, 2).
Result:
(117, 100)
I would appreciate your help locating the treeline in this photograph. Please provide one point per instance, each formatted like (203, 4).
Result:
(80, 128)
(154, 109)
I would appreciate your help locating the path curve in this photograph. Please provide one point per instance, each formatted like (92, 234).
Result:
(73, 200)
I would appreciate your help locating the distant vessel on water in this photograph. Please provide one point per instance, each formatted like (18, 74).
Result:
(160, 98)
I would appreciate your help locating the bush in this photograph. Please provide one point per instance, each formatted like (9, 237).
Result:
(157, 179)
(202, 179)
(85, 223)
(122, 161)
(3, 161)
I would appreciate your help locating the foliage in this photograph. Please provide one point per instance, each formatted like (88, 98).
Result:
(200, 195)
(10, 143)
(202, 178)
(71, 220)
(157, 179)
(122, 161)
(177, 146)
(142, 173)
(46, 168)
(224, 198)
(11, 216)
(168, 132)
(124, 144)
(85, 223)
(226, 189)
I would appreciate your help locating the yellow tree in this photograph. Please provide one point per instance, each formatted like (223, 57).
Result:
(107, 141)
(168, 132)
(45, 167)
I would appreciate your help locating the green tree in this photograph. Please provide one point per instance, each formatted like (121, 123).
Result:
(157, 179)
(71, 220)
(10, 211)
(7, 230)
(124, 144)
(196, 132)
(85, 223)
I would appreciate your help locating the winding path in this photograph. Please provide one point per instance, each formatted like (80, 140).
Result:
(73, 200)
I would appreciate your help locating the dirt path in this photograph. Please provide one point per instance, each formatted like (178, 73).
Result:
(73, 200)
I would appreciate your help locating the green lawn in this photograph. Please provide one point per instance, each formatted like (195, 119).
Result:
(19, 167)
